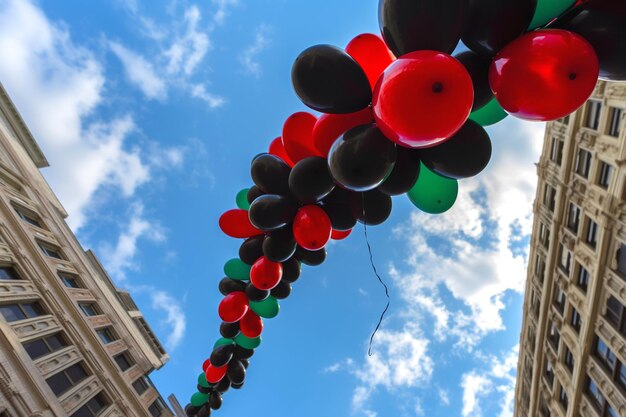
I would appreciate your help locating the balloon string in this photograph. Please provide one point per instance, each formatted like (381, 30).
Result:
(369, 249)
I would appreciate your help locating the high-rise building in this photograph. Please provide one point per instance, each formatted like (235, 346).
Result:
(573, 343)
(71, 343)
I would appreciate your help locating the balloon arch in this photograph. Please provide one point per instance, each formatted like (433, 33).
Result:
(399, 116)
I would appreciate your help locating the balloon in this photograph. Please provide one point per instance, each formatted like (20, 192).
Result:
(412, 25)
(279, 245)
(490, 114)
(362, 158)
(203, 390)
(311, 227)
(547, 10)
(202, 380)
(235, 223)
(230, 330)
(603, 24)
(478, 68)
(242, 199)
(298, 136)
(329, 127)
(247, 342)
(491, 24)
(237, 386)
(222, 355)
(433, 193)
(204, 411)
(282, 290)
(328, 80)
(372, 54)
(265, 274)
(245, 363)
(340, 234)
(215, 400)
(311, 258)
(463, 155)
(223, 342)
(310, 180)
(371, 207)
(233, 307)
(190, 410)
(251, 249)
(270, 174)
(277, 149)
(223, 385)
(268, 308)
(423, 98)
(270, 212)
(291, 270)
(337, 206)
(243, 353)
(205, 365)
(236, 269)
(404, 173)
(544, 75)
(228, 285)
(253, 193)
(251, 325)
(215, 374)
(198, 399)
(255, 294)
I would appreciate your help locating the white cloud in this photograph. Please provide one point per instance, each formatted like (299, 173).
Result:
(474, 385)
(249, 55)
(223, 7)
(188, 50)
(199, 91)
(140, 72)
(175, 316)
(444, 396)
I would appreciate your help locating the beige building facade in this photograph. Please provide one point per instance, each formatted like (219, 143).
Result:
(573, 343)
(71, 343)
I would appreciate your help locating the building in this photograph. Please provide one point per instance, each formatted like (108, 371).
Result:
(71, 343)
(573, 343)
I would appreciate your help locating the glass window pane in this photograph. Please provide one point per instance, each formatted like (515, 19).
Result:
(6, 272)
(140, 386)
(76, 373)
(122, 361)
(59, 383)
(33, 310)
(36, 348)
(56, 341)
(12, 313)
(69, 280)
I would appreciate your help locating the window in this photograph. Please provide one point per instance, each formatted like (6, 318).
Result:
(124, 361)
(141, 385)
(543, 408)
(7, 273)
(621, 259)
(573, 218)
(559, 299)
(564, 120)
(157, 407)
(591, 235)
(563, 398)
(565, 260)
(615, 116)
(576, 320)
(106, 335)
(606, 356)
(540, 267)
(554, 337)
(583, 163)
(549, 197)
(605, 174)
(582, 277)
(544, 235)
(70, 281)
(15, 312)
(615, 314)
(595, 394)
(41, 347)
(621, 376)
(549, 373)
(93, 407)
(569, 359)
(28, 217)
(51, 251)
(90, 309)
(67, 378)
(594, 108)
(556, 151)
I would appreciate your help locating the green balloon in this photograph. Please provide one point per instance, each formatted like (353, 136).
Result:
(202, 381)
(268, 308)
(237, 269)
(547, 10)
(222, 341)
(199, 399)
(246, 342)
(242, 199)
(433, 193)
(491, 113)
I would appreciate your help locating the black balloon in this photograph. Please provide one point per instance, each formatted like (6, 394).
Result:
(215, 400)
(203, 390)
(311, 257)
(253, 193)
(371, 207)
(310, 180)
(270, 174)
(603, 24)
(245, 363)
(251, 249)
(223, 385)
(404, 173)
(491, 24)
(237, 386)
(228, 285)
(337, 206)
(236, 372)
(463, 155)
(222, 355)
(413, 25)
(204, 411)
(291, 270)
(229, 330)
(329, 80)
(362, 158)
(270, 212)
(243, 353)
(255, 294)
(478, 68)
(279, 245)
(282, 290)
(191, 410)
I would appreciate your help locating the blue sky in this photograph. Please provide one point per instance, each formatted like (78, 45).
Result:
(149, 113)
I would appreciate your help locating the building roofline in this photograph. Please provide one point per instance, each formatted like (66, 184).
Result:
(22, 133)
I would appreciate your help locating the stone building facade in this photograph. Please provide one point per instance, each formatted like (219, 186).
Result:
(573, 343)
(71, 343)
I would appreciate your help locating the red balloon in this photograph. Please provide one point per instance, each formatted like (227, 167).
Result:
(251, 325)
(233, 307)
(544, 75)
(423, 98)
(277, 149)
(205, 364)
(214, 374)
(297, 136)
(311, 227)
(372, 54)
(266, 274)
(235, 223)
(329, 127)
(340, 234)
